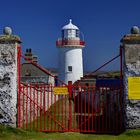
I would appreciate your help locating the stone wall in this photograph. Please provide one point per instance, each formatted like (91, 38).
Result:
(132, 106)
(8, 84)
(131, 68)
(8, 77)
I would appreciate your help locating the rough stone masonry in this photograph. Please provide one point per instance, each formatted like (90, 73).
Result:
(8, 77)
(131, 68)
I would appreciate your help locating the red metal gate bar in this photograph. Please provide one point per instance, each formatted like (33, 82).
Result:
(58, 109)
(26, 95)
(44, 107)
(37, 111)
(102, 109)
(84, 110)
(23, 100)
(55, 112)
(93, 92)
(62, 112)
(40, 87)
(51, 102)
(34, 113)
(70, 105)
(56, 122)
(18, 77)
(30, 98)
(30, 106)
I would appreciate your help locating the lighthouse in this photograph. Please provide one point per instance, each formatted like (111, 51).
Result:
(70, 53)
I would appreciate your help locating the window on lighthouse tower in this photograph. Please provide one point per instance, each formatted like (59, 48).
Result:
(77, 33)
(70, 68)
(71, 33)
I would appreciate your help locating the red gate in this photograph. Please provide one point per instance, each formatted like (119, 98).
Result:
(87, 109)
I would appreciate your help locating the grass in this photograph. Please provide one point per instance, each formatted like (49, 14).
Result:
(8, 133)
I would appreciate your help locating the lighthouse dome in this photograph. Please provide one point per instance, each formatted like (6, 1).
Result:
(70, 26)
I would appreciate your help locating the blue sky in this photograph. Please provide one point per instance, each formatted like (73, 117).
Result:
(39, 23)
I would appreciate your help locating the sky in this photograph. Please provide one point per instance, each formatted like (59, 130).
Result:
(103, 23)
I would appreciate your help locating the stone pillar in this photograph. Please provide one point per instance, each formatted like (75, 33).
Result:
(8, 77)
(131, 68)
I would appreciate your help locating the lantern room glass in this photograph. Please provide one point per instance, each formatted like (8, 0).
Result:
(70, 33)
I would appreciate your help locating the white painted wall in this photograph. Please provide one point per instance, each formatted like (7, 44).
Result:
(70, 56)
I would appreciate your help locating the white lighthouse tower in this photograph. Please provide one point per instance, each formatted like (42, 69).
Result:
(70, 53)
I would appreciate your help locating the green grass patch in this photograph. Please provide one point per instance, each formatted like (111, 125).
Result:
(133, 132)
(8, 133)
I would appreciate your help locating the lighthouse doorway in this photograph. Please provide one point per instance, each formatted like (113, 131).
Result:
(70, 107)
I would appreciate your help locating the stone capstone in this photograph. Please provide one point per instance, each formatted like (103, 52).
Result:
(8, 38)
(133, 38)
(135, 30)
(7, 31)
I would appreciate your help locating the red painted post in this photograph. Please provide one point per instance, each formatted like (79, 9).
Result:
(23, 102)
(58, 110)
(34, 114)
(44, 107)
(40, 88)
(27, 106)
(106, 111)
(88, 122)
(55, 111)
(117, 112)
(63, 111)
(92, 98)
(48, 112)
(85, 109)
(51, 102)
(37, 107)
(70, 105)
(98, 112)
(102, 109)
(78, 107)
(30, 106)
(81, 108)
(74, 110)
(19, 88)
